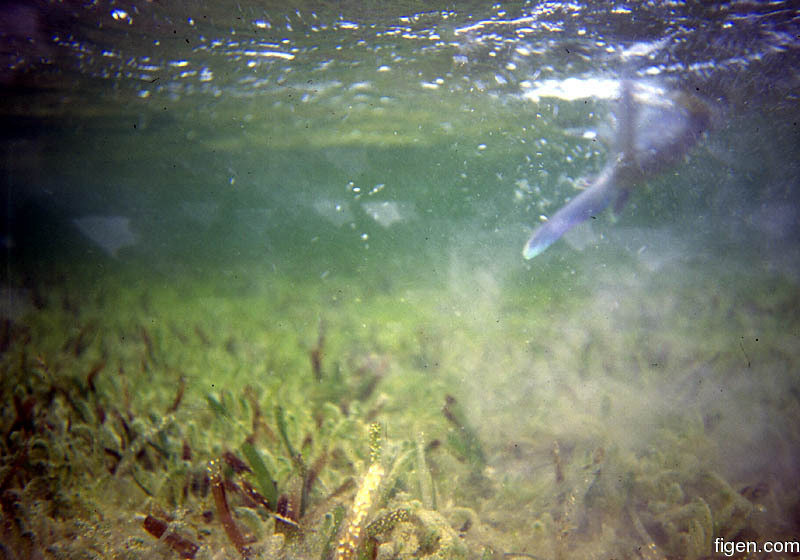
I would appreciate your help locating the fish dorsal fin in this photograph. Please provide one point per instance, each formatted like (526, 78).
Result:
(626, 123)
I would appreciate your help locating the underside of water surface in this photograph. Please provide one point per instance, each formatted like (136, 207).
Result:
(264, 294)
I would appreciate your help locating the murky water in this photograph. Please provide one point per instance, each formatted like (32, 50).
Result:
(229, 225)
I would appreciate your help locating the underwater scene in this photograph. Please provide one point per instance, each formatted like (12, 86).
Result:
(403, 280)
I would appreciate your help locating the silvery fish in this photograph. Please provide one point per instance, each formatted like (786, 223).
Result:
(651, 137)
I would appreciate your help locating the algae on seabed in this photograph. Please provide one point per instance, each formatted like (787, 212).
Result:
(548, 436)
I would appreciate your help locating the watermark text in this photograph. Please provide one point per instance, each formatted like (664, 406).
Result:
(729, 548)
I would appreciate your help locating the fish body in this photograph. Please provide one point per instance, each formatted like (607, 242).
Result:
(651, 137)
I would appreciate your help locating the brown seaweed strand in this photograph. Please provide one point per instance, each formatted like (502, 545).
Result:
(224, 511)
(317, 352)
(184, 547)
(179, 396)
(92, 375)
(557, 462)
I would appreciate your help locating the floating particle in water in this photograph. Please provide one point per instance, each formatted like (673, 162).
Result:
(388, 213)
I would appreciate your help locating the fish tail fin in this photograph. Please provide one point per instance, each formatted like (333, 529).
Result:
(589, 203)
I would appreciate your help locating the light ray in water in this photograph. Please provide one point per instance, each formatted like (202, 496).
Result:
(110, 233)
